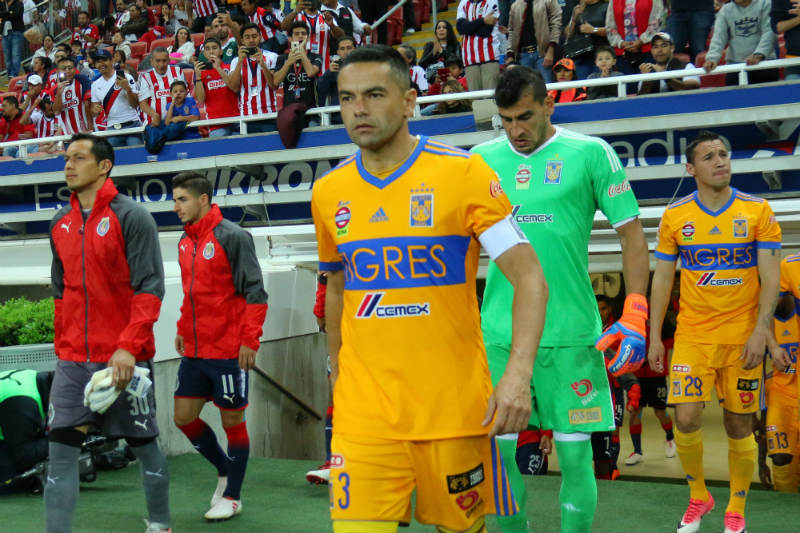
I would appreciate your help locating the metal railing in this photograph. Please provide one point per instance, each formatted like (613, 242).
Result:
(325, 112)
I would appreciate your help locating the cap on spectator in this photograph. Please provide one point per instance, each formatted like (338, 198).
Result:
(662, 35)
(101, 53)
(565, 63)
(34, 79)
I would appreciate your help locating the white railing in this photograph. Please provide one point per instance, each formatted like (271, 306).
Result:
(325, 112)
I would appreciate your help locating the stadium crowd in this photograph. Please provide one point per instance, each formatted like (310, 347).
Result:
(293, 50)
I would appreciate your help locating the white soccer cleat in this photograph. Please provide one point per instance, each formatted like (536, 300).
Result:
(669, 448)
(320, 475)
(224, 509)
(690, 523)
(222, 484)
(155, 527)
(634, 459)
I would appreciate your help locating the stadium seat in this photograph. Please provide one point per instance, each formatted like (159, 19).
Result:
(427, 7)
(16, 84)
(138, 50)
(715, 80)
(443, 5)
(419, 11)
(166, 43)
(394, 28)
(133, 63)
(198, 38)
(188, 76)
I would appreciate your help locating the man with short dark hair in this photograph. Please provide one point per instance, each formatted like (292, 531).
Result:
(725, 322)
(326, 84)
(11, 126)
(154, 86)
(108, 283)
(558, 179)
(297, 71)
(251, 75)
(396, 426)
(213, 89)
(85, 33)
(219, 331)
(268, 19)
(73, 98)
(115, 95)
(662, 48)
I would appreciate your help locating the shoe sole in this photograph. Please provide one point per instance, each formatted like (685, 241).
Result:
(314, 480)
(237, 513)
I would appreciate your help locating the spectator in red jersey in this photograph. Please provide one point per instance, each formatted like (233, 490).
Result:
(477, 24)
(630, 25)
(564, 70)
(41, 115)
(72, 98)
(662, 50)
(154, 86)
(534, 29)
(204, 12)
(297, 71)
(85, 33)
(269, 21)
(136, 25)
(11, 126)
(213, 89)
(322, 25)
(251, 75)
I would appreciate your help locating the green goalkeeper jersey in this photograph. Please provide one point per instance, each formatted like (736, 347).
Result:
(555, 192)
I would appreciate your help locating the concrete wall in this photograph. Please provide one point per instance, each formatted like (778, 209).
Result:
(278, 427)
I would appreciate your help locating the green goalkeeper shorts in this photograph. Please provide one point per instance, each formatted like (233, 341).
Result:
(569, 388)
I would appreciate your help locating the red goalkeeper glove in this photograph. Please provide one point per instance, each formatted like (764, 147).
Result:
(627, 336)
(634, 395)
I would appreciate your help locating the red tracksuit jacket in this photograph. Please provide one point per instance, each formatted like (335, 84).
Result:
(107, 276)
(224, 302)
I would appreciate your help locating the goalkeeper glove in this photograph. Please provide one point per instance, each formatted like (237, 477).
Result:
(634, 395)
(627, 335)
(100, 392)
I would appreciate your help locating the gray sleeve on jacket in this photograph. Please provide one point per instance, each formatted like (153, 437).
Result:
(768, 40)
(720, 38)
(141, 246)
(56, 266)
(626, 381)
(245, 270)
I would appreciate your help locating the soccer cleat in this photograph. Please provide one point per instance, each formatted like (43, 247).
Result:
(669, 448)
(224, 509)
(155, 527)
(734, 523)
(634, 459)
(222, 484)
(321, 475)
(615, 474)
(690, 522)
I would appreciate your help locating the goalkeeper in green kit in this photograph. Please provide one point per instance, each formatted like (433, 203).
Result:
(556, 179)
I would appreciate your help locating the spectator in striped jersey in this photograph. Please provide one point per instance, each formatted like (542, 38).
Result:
(269, 21)
(154, 86)
(251, 75)
(72, 98)
(204, 12)
(477, 23)
(41, 115)
(324, 30)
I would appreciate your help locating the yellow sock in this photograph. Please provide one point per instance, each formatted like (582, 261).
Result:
(741, 464)
(690, 451)
(785, 478)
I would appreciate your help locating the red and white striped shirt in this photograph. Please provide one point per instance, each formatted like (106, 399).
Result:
(204, 8)
(154, 88)
(45, 127)
(73, 115)
(267, 22)
(319, 39)
(255, 94)
(476, 49)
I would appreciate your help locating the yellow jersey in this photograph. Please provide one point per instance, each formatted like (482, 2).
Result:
(787, 332)
(412, 364)
(719, 264)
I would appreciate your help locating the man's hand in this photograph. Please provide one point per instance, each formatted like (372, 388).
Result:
(328, 17)
(627, 335)
(655, 355)
(247, 358)
(547, 62)
(121, 363)
(490, 20)
(709, 65)
(123, 83)
(646, 68)
(754, 349)
(96, 109)
(179, 346)
(780, 359)
(586, 28)
(511, 400)
(334, 66)
(546, 443)
(634, 395)
(754, 59)
(242, 54)
(765, 476)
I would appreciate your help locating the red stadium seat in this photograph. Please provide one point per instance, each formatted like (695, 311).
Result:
(198, 38)
(166, 43)
(133, 63)
(394, 27)
(715, 80)
(419, 12)
(188, 76)
(443, 5)
(16, 84)
(138, 50)
(427, 7)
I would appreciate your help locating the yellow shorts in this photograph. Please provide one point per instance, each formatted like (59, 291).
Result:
(782, 422)
(697, 368)
(458, 481)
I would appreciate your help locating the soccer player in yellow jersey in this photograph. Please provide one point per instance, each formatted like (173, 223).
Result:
(399, 229)
(729, 246)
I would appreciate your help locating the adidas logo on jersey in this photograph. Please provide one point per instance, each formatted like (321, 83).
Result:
(379, 216)
(715, 231)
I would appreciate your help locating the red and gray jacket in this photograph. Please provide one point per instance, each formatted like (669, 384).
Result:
(107, 276)
(224, 302)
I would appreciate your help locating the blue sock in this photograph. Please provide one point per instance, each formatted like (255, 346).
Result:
(238, 451)
(205, 441)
